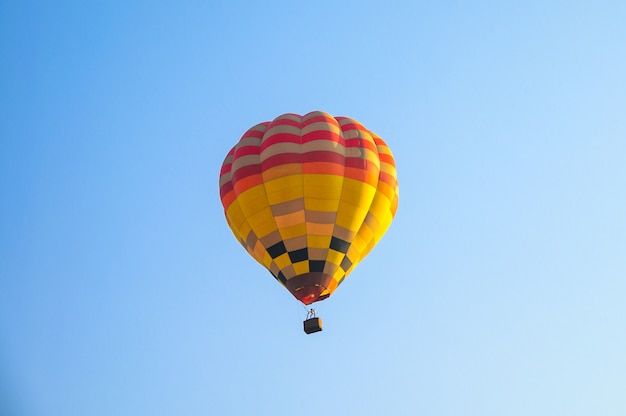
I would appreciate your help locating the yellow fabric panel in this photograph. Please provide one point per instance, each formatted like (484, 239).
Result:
(262, 222)
(339, 274)
(335, 257)
(324, 205)
(294, 218)
(282, 261)
(366, 233)
(355, 250)
(322, 186)
(245, 229)
(394, 205)
(318, 241)
(368, 238)
(388, 168)
(357, 193)
(293, 231)
(252, 200)
(383, 149)
(266, 260)
(350, 216)
(284, 189)
(369, 248)
(301, 267)
(235, 215)
(380, 206)
(385, 222)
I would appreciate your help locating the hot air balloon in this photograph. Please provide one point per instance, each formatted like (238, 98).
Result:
(308, 197)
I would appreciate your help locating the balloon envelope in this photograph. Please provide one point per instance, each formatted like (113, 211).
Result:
(308, 197)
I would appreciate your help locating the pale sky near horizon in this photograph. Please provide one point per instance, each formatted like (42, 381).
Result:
(498, 290)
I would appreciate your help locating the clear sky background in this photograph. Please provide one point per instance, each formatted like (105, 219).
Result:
(498, 290)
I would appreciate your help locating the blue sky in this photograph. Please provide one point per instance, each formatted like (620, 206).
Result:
(498, 290)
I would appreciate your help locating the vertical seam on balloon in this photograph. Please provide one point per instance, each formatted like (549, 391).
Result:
(269, 126)
(343, 181)
(300, 155)
(356, 261)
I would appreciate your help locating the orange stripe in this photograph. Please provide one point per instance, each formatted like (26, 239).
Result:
(248, 182)
(387, 158)
(388, 179)
(384, 189)
(368, 177)
(323, 167)
(282, 171)
(228, 199)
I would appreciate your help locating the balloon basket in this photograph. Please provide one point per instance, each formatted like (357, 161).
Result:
(312, 325)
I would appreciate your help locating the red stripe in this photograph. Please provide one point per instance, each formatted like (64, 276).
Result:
(246, 171)
(257, 134)
(362, 143)
(322, 135)
(226, 168)
(285, 122)
(352, 126)
(358, 163)
(280, 138)
(247, 150)
(323, 156)
(320, 118)
(281, 159)
(226, 188)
